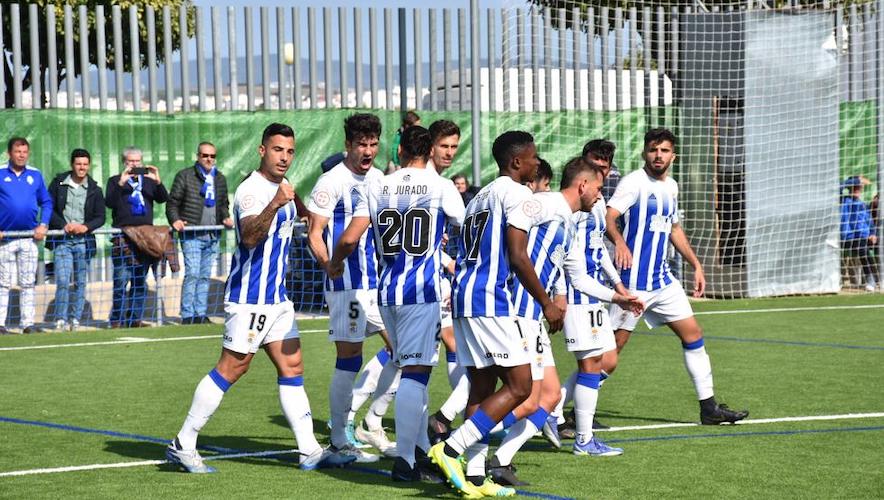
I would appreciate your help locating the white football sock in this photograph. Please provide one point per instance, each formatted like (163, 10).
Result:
(700, 369)
(296, 408)
(457, 400)
(206, 399)
(410, 405)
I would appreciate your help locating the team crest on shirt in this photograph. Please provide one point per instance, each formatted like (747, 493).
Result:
(531, 208)
(248, 202)
(321, 199)
(30, 180)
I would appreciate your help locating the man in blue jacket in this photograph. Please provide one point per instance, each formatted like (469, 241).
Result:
(857, 231)
(22, 195)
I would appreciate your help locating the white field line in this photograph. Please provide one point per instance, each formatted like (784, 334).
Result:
(136, 340)
(125, 340)
(846, 416)
(791, 309)
(74, 468)
(120, 465)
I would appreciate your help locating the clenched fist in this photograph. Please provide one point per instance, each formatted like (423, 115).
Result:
(284, 195)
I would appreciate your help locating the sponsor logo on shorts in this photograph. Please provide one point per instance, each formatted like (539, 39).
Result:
(228, 338)
(411, 355)
(570, 341)
(497, 355)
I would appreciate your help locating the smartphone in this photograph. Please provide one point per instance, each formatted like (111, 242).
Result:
(139, 171)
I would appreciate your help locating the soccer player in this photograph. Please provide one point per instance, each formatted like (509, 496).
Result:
(489, 342)
(351, 297)
(588, 332)
(257, 309)
(592, 247)
(408, 210)
(647, 199)
(549, 242)
(446, 141)
(540, 183)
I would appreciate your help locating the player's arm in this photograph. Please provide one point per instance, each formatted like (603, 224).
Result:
(683, 246)
(622, 255)
(520, 263)
(253, 229)
(447, 262)
(316, 224)
(346, 244)
(583, 282)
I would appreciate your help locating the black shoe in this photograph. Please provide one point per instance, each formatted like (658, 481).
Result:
(202, 320)
(438, 427)
(402, 473)
(3, 330)
(32, 329)
(721, 414)
(187, 321)
(429, 472)
(596, 425)
(504, 474)
(568, 430)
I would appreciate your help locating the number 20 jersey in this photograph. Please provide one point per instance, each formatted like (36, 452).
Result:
(480, 285)
(409, 210)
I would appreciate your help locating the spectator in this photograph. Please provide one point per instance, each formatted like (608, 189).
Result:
(22, 194)
(410, 118)
(130, 196)
(198, 198)
(857, 233)
(467, 192)
(78, 210)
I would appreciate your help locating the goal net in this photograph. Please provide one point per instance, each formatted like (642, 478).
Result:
(773, 111)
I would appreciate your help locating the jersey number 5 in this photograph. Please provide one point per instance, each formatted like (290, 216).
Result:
(409, 231)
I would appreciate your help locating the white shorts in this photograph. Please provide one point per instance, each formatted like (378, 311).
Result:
(250, 326)
(414, 333)
(353, 315)
(661, 307)
(588, 331)
(445, 304)
(487, 341)
(541, 355)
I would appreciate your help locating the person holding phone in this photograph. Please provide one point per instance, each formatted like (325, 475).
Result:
(130, 196)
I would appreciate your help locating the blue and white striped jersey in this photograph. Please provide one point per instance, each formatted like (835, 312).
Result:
(649, 208)
(589, 242)
(409, 210)
(483, 268)
(257, 275)
(334, 196)
(549, 240)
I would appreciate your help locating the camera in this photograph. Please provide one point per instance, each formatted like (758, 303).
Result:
(139, 170)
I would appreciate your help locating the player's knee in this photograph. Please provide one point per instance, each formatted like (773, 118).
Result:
(521, 390)
(609, 361)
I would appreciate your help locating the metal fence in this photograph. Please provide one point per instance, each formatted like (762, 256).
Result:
(321, 57)
(162, 291)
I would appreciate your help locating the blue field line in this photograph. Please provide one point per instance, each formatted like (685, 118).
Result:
(218, 449)
(744, 434)
(773, 341)
(86, 430)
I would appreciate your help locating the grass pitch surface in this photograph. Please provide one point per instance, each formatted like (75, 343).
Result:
(109, 407)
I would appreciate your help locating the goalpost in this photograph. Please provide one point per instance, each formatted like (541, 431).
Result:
(764, 103)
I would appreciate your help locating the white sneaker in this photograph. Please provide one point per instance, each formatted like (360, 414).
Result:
(378, 439)
(189, 460)
(60, 326)
(325, 458)
(870, 287)
(75, 325)
(362, 457)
